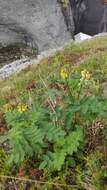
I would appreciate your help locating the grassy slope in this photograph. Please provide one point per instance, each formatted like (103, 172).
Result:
(92, 54)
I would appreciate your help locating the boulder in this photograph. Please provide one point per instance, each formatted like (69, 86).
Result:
(38, 23)
(81, 37)
(48, 24)
(94, 18)
(90, 16)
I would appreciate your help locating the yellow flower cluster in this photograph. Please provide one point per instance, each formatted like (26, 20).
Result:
(64, 73)
(22, 107)
(85, 74)
(7, 107)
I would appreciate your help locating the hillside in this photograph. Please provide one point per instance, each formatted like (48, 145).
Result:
(53, 124)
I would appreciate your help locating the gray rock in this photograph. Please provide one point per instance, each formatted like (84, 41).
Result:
(81, 37)
(14, 67)
(18, 65)
(92, 21)
(90, 16)
(39, 23)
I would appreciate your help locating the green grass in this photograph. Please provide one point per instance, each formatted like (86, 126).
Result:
(76, 56)
(34, 82)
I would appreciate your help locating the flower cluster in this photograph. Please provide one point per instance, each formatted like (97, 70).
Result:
(64, 73)
(22, 107)
(7, 107)
(85, 74)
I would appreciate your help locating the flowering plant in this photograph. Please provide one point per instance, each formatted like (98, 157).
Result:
(52, 132)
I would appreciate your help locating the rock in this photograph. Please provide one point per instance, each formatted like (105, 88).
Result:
(81, 37)
(38, 23)
(14, 52)
(90, 17)
(78, 9)
(14, 67)
(48, 24)
(92, 21)
(20, 64)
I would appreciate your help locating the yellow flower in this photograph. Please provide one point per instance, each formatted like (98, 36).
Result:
(22, 107)
(7, 107)
(85, 74)
(88, 76)
(64, 73)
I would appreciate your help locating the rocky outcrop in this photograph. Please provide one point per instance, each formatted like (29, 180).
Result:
(39, 23)
(48, 24)
(18, 65)
(92, 20)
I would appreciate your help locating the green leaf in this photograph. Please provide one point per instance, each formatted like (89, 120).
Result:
(73, 141)
(58, 159)
(53, 133)
(43, 165)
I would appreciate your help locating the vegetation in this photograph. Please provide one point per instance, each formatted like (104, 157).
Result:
(53, 122)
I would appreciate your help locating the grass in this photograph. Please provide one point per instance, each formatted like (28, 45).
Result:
(92, 55)
(34, 82)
